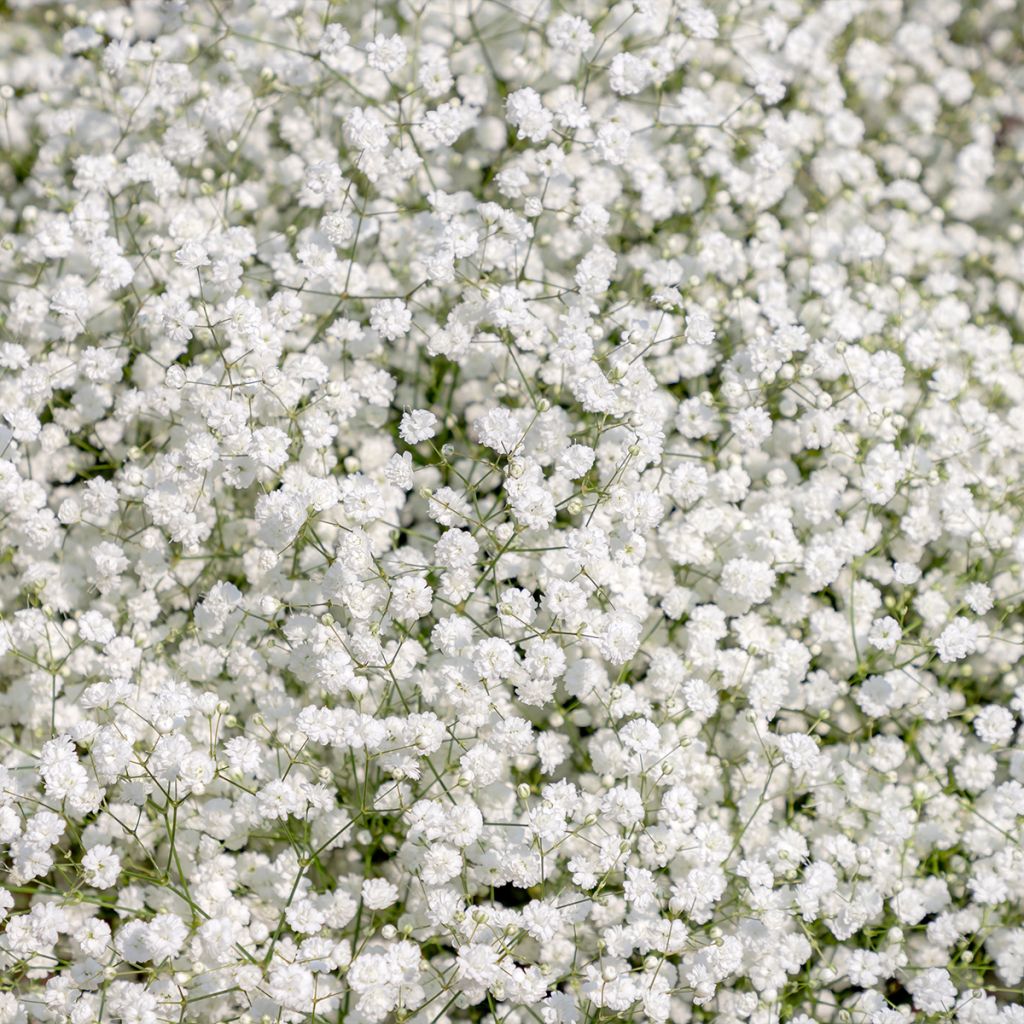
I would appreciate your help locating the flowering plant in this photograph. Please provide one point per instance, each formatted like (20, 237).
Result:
(511, 511)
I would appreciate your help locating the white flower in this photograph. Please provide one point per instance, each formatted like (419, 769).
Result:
(101, 866)
(418, 425)
(378, 893)
(525, 111)
(748, 579)
(885, 634)
(391, 319)
(478, 964)
(386, 53)
(995, 725)
(933, 991)
(165, 936)
(628, 74)
(957, 640)
(570, 34)
(800, 752)
(979, 598)
(192, 255)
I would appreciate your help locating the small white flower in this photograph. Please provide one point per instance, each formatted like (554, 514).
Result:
(418, 425)
(101, 866)
(378, 893)
(885, 634)
(957, 640)
(391, 319)
(386, 53)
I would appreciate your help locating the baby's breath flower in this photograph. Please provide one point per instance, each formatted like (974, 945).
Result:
(511, 511)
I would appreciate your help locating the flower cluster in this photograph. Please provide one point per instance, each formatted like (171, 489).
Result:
(511, 511)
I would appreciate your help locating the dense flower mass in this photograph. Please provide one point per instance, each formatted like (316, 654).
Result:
(511, 511)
